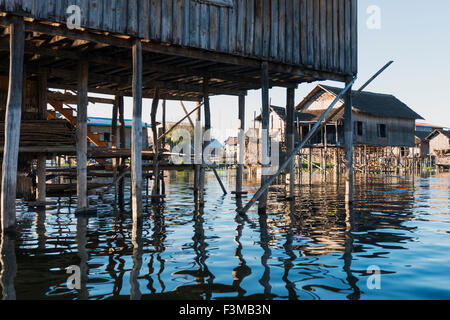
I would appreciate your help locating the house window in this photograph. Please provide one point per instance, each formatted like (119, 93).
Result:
(359, 128)
(107, 136)
(381, 131)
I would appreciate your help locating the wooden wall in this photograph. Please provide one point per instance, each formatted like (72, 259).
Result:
(317, 34)
(399, 132)
(439, 142)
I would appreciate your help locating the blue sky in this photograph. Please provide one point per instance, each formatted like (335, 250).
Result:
(415, 34)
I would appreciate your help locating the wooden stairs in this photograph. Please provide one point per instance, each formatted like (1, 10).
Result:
(67, 114)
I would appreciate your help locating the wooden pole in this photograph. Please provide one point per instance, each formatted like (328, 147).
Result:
(122, 144)
(155, 188)
(207, 137)
(136, 136)
(265, 142)
(163, 144)
(12, 125)
(41, 163)
(290, 105)
(348, 130)
(241, 143)
(283, 166)
(83, 73)
(198, 133)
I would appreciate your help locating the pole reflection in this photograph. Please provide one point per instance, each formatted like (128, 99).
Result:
(9, 267)
(81, 240)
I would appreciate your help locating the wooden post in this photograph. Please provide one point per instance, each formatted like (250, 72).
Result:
(265, 142)
(198, 133)
(115, 161)
(290, 105)
(241, 143)
(163, 144)
(207, 137)
(114, 123)
(155, 188)
(122, 146)
(12, 125)
(83, 73)
(348, 130)
(136, 136)
(41, 163)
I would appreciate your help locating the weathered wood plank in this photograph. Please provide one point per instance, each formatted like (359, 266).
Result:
(83, 70)
(136, 137)
(12, 125)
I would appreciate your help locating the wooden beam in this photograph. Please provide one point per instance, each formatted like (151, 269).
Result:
(136, 133)
(12, 126)
(83, 74)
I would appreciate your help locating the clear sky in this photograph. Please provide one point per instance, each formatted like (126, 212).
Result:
(413, 33)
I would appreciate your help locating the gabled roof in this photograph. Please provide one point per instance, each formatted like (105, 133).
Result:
(422, 135)
(281, 112)
(437, 132)
(377, 104)
(231, 141)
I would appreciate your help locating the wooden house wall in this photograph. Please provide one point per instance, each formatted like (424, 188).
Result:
(439, 142)
(399, 132)
(318, 34)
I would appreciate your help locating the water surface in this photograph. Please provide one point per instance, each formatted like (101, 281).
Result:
(315, 248)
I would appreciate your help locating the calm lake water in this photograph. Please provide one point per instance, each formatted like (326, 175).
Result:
(315, 248)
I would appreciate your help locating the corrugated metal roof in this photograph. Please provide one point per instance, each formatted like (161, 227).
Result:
(107, 122)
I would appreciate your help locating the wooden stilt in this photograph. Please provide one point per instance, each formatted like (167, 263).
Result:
(264, 133)
(12, 125)
(115, 161)
(198, 133)
(310, 167)
(42, 160)
(241, 146)
(155, 188)
(207, 137)
(136, 136)
(83, 73)
(122, 142)
(290, 105)
(348, 131)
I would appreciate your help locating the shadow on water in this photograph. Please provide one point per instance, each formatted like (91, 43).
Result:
(315, 247)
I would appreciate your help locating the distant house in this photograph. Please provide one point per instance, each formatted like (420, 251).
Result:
(380, 120)
(422, 146)
(440, 147)
(231, 150)
(103, 127)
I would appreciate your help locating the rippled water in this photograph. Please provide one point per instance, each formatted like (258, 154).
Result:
(315, 248)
